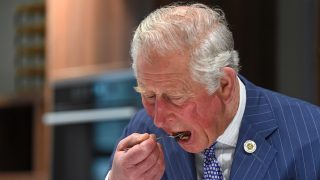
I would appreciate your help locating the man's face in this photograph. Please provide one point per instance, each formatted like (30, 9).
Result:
(178, 104)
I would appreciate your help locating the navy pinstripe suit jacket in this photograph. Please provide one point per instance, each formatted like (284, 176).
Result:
(286, 131)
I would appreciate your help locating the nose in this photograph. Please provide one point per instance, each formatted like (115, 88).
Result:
(160, 112)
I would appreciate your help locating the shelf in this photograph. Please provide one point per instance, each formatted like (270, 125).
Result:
(85, 116)
(30, 28)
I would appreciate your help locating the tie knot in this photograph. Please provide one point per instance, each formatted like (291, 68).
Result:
(209, 152)
(211, 168)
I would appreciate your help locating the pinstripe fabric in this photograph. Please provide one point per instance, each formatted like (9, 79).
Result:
(285, 130)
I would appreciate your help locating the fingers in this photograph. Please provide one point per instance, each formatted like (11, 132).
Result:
(151, 160)
(132, 140)
(140, 151)
(152, 167)
(144, 160)
(155, 172)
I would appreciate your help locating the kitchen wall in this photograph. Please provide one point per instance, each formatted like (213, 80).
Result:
(296, 51)
(297, 61)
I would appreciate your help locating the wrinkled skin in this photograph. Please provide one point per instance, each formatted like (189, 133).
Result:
(176, 103)
(144, 160)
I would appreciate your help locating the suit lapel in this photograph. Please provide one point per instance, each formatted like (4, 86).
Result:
(258, 124)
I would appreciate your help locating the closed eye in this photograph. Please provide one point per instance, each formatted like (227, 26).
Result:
(177, 100)
(150, 98)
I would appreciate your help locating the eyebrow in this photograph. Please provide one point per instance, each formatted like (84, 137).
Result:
(139, 89)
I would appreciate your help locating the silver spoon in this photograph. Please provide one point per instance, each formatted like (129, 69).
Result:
(176, 137)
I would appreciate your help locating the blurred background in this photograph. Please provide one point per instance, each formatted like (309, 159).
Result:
(66, 85)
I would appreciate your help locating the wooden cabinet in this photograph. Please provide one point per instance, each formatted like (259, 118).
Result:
(24, 139)
(86, 37)
(29, 21)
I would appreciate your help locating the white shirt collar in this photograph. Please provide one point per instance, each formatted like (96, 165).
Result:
(230, 135)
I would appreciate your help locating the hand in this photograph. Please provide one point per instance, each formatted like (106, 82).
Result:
(138, 156)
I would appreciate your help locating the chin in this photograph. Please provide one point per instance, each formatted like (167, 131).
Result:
(193, 150)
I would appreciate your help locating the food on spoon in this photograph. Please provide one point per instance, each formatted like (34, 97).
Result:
(182, 135)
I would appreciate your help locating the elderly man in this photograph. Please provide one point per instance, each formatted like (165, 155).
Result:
(201, 119)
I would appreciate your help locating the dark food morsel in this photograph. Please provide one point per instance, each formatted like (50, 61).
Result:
(183, 135)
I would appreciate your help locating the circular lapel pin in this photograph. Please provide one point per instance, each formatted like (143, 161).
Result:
(250, 146)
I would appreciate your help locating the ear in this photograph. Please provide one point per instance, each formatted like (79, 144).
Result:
(228, 84)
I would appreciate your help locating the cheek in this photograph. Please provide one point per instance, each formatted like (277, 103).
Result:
(149, 108)
(189, 114)
(205, 113)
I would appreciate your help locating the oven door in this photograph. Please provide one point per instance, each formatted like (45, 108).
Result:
(88, 118)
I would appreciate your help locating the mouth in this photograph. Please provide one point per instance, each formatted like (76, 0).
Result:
(182, 135)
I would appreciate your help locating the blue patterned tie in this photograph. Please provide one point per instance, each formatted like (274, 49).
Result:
(211, 168)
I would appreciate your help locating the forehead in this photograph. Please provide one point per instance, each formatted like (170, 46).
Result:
(173, 63)
(170, 71)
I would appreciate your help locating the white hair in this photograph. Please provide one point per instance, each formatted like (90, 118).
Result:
(195, 29)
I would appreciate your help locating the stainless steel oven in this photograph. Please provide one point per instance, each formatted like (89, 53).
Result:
(88, 118)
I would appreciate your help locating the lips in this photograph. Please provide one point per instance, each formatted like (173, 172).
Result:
(182, 135)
